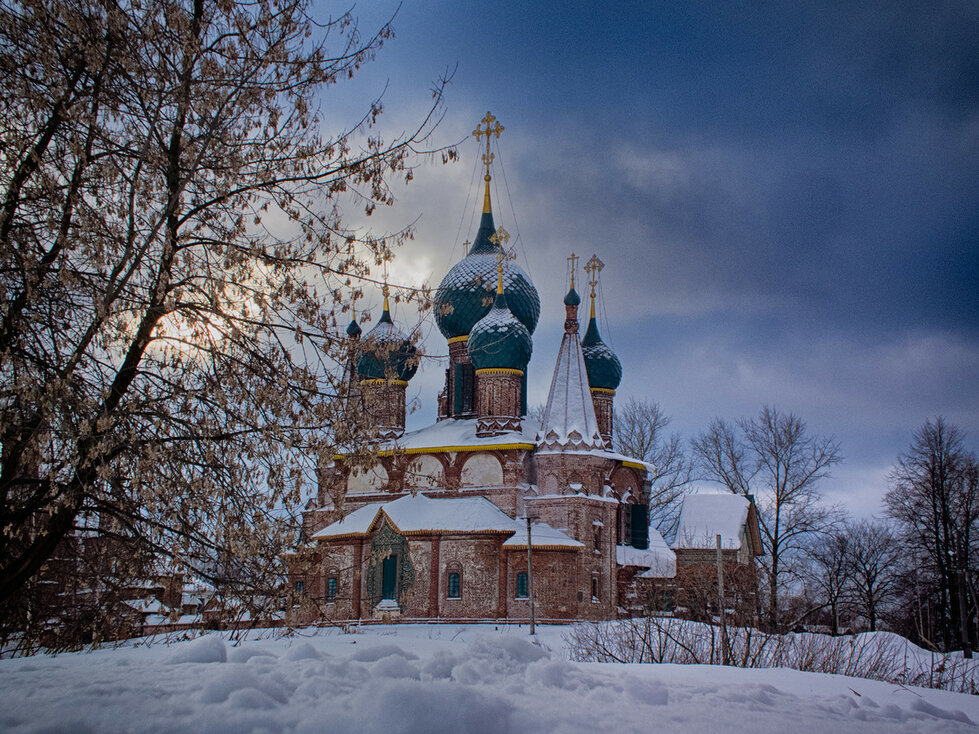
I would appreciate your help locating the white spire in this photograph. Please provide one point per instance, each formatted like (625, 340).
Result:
(569, 421)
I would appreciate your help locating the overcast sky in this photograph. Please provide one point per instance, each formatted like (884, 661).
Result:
(786, 198)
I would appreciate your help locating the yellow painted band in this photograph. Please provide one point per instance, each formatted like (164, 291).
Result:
(603, 390)
(455, 339)
(383, 381)
(500, 371)
(633, 465)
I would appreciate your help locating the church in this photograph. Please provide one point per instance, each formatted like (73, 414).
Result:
(486, 512)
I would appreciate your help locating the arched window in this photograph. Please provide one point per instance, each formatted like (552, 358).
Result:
(453, 580)
(331, 589)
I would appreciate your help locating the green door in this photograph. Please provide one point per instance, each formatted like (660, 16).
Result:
(389, 578)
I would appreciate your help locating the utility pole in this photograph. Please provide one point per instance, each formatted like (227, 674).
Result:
(530, 575)
(963, 615)
(720, 601)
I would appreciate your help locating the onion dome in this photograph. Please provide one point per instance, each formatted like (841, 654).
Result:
(353, 329)
(572, 299)
(387, 352)
(466, 293)
(500, 340)
(603, 367)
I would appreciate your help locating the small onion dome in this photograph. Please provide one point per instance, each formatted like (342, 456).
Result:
(572, 299)
(388, 353)
(466, 292)
(603, 367)
(499, 340)
(353, 329)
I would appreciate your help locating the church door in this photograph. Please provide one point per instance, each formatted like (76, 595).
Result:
(389, 577)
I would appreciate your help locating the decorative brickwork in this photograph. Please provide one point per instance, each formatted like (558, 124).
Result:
(498, 401)
(604, 411)
(384, 406)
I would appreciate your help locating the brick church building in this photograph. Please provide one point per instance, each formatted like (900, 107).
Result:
(439, 524)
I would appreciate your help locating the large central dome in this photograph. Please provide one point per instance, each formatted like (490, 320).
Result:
(467, 292)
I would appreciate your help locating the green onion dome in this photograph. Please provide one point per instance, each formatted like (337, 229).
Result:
(572, 299)
(353, 329)
(603, 367)
(387, 353)
(499, 340)
(466, 293)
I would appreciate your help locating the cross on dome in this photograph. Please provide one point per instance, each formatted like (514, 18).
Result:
(573, 259)
(489, 130)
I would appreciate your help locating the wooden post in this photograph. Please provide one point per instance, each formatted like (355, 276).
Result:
(530, 575)
(720, 601)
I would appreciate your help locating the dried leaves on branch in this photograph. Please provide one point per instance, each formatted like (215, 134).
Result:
(171, 263)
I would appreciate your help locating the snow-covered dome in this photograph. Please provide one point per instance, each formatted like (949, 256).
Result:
(602, 365)
(388, 352)
(499, 340)
(466, 293)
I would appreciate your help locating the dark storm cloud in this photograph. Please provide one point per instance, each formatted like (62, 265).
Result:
(785, 194)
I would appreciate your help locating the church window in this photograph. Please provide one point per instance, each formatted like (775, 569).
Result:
(597, 533)
(455, 585)
(299, 587)
(594, 588)
(522, 585)
(331, 589)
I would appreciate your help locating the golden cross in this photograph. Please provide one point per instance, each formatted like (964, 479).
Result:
(573, 260)
(593, 267)
(490, 130)
(466, 245)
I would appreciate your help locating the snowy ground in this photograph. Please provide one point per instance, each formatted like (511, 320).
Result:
(431, 679)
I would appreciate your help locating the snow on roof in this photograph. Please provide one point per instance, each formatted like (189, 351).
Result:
(541, 535)
(456, 434)
(418, 513)
(704, 516)
(569, 418)
(658, 560)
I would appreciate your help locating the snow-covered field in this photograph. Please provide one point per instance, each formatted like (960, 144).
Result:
(440, 678)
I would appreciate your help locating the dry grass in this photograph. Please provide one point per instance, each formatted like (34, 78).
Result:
(878, 656)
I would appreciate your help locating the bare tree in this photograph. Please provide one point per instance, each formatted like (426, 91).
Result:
(173, 263)
(874, 565)
(640, 431)
(774, 461)
(827, 571)
(934, 497)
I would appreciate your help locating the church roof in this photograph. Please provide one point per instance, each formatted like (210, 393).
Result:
(569, 418)
(418, 514)
(459, 434)
(658, 560)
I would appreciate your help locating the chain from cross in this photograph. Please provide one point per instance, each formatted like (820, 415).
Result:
(574, 263)
(593, 267)
(489, 131)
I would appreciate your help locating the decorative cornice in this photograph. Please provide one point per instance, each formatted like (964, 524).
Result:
(499, 371)
(447, 449)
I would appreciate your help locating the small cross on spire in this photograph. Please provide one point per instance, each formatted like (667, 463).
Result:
(500, 238)
(574, 263)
